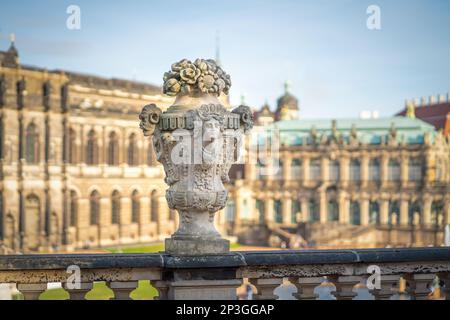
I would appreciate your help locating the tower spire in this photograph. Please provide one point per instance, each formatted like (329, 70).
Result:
(12, 39)
(218, 48)
(287, 86)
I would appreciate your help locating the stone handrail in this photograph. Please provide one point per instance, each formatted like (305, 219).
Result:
(218, 276)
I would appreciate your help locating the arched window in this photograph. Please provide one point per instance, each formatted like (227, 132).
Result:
(278, 215)
(73, 209)
(135, 206)
(92, 148)
(113, 149)
(414, 170)
(115, 207)
(414, 213)
(393, 170)
(295, 210)
(333, 211)
(296, 169)
(334, 171)
(374, 170)
(72, 148)
(355, 170)
(355, 213)
(32, 144)
(261, 209)
(94, 206)
(154, 206)
(394, 213)
(314, 170)
(151, 155)
(314, 214)
(374, 212)
(437, 213)
(132, 150)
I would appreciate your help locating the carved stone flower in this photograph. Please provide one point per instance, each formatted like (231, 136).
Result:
(205, 76)
(178, 66)
(206, 83)
(190, 73)
(171, 87)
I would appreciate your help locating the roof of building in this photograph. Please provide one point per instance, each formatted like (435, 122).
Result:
(368, 131)
(436, 114)
(85, 79)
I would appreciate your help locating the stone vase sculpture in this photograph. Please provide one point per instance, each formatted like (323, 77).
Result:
(197, 140)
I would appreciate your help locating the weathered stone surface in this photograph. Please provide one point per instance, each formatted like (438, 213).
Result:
(194, 247)
(197, 140)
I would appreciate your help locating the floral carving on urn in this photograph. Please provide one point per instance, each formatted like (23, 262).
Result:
(197, 140)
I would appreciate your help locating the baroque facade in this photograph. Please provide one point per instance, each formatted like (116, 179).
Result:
(345, 182)
(75, 170)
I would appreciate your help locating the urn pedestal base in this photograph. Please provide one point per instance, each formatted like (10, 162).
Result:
(195, 247)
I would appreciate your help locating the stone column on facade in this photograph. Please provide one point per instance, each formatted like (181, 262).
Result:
(83, 217)
(384, 211)
(287, 208)
(324, 169)
(404, 212)
(196, 178)
(323, 208)
(82, 158)
(384, 170)
(364, 170)
(404, 171)
(163, 214)
(447, 212)
(125, 217)
(144, 215)
(305, 167)
(364, 207)
(287, 163)
(344, 165)
(427, 200)
(343, 208)
(269, 210)
(238, 208)
(104, 220)
(269, 169)
(305, 210)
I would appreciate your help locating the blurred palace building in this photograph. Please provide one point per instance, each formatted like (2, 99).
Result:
(76, 171)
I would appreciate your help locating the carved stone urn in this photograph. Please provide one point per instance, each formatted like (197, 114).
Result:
(197, 140)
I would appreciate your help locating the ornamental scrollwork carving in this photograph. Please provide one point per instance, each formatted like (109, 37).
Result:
(246, 117)
(149, 117)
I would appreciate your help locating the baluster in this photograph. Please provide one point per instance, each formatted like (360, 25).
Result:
(419, 285)
(445, 278)
(122, 290)
(265, 288)
(31, 291)
(79, 294)
(344, 286)
(305, 287)
(385, 291)
(162, 287)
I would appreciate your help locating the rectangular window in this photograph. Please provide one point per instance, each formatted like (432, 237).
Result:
(314, 170)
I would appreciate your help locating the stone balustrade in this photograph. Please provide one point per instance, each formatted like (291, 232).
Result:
(344, 272)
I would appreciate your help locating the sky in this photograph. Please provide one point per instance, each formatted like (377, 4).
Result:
(337, 67)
